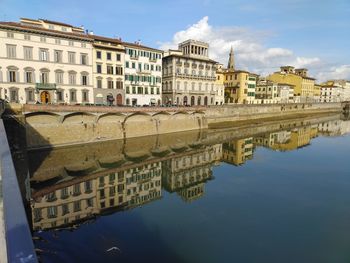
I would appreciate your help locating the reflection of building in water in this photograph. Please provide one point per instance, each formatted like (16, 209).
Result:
(123, 189)
(330, 128)
(298, 138)
(238, 151)
(187, 174)
(269, 139)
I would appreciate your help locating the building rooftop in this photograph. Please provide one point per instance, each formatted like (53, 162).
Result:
(136, 45)
(41, 30)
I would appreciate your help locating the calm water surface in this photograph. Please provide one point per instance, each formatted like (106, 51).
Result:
(279, 196)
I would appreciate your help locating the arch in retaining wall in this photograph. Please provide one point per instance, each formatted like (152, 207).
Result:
(109, 126)
(78, 117)
(139, 124)
(42, 117)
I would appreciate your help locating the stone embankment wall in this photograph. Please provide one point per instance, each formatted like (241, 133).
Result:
(49, 125)
(234, 113)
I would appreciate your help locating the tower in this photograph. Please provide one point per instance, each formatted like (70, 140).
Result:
(231, 61)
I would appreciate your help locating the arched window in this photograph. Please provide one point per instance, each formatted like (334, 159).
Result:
(185, 100)
(192, 101)
(199, 100)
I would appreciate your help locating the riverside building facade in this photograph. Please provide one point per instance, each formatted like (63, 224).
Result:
(108, 70)
(43, 61)
(143, 75)
(189, 75)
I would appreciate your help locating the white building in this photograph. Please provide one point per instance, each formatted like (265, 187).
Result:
(189, 76)
(330, 93)
(45, 61)
(143, 75)
(285, 92)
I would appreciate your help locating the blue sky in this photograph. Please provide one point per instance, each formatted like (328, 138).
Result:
(264, 34)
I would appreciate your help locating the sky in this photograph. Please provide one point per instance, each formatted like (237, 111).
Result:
(264, 34)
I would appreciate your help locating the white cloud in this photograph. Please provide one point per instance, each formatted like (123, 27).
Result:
(335, 72)
(250, 52)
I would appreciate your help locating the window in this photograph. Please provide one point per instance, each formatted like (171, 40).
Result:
(58, 41)
(84, 59)
(64, 29)
(99, 83)
(118, 70)
(29, 76)
(26, 37)
(59, 94)
(133, 65)
(71, 57)
(84, 80)
(28, 53)
(98, 54)
(59, 77)
(127, 90)
(13, 95)
(65, 209)
(44, 77)
(42, 39)
(11, 51)
(77, 206)
(52, 211)
(85, 95)
(76, 189)
(88, 186)
(90, 202)
(119, 84)
(110, 84)
(43, 54)
(51, 27)
(109, 69)
(139, 90)
(10, 35)
(30, 95)
(58, 56)
(109, 56)
(99, 68)
(73, 95)
(72, 78)
(71, 43)
(127, 64)
(83, 44)
(118, 57)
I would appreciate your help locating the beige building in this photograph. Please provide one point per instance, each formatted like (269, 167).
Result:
(187, 174)
(189, 76)
(45, 61)
(219, 85)
(108, 71)
(267, 91)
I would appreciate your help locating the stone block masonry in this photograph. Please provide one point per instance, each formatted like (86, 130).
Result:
(53, 125)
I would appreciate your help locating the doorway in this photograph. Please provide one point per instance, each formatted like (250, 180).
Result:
(45, 97)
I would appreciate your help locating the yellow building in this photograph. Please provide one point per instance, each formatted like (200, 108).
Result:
(238, 151)
(303, 85)
(219, 83)
(317, 92)
(236, 86)
(235, 83)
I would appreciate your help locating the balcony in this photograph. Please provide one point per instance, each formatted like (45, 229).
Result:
(135, 57)
(144, 71)
(45, 86)
(152, 59)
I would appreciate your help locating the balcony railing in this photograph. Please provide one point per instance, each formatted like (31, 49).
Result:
(45, 86)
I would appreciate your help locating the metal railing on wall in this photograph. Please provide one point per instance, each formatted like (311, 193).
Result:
(15, 232)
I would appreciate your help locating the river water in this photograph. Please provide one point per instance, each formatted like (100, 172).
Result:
(270, 193)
